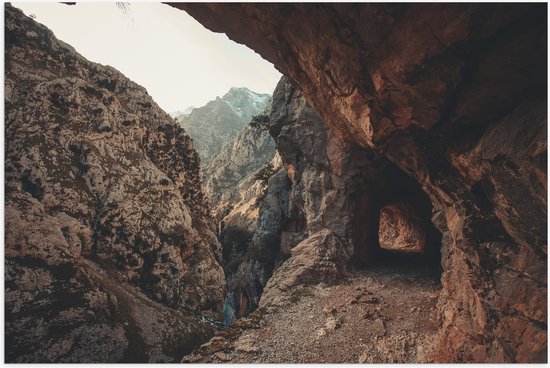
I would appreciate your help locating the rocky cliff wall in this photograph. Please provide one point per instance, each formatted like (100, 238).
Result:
(337, 192)
(314, 203)
(250, 235)
(106, 225)
(455, 96)
(235, 162)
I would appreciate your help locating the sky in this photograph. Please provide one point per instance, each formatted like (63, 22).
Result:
(165, 50)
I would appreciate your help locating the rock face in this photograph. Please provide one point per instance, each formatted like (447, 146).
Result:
(107, 235)
(250, 150)
(454, 95)
(401, 229)
(337, 192)
(310, 204)
(267, 223)
(250, 235)
(221, 120)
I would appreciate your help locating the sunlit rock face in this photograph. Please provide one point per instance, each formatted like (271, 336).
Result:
(337, 191)
(301, 192)
(401, 229)
(106, 224)
(455, 96)
(250, 235)
(235, 163)
(317, 201)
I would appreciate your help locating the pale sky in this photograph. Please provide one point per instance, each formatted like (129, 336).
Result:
(165, 50)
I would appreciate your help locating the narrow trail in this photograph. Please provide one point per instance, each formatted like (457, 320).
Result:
(381, 315)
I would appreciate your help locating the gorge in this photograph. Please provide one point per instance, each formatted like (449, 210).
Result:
(403, 217)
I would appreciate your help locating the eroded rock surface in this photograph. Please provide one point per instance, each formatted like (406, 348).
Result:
(106, 225)
(455, 96)
(250, 236)
(337, 191)
(401, 229)
(357, 320)
(279, 209)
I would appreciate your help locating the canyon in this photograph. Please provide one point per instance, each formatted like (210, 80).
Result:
(387, 204)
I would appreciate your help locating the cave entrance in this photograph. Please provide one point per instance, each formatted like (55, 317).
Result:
(393, 226)
(407, 239)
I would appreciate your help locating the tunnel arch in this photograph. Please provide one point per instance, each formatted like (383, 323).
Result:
(393, 207)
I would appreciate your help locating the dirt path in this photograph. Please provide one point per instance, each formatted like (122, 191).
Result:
(383, 315)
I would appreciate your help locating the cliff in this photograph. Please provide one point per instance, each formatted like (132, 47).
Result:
(235, 162)
(454, 96)
(310, 203)
(109, 247)
(299, 239)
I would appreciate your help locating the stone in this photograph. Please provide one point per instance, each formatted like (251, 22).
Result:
(222, 356)
(246, 346)
(103, 211)
(315, 259)
(332, 324)
(460, 107)
(401, 229)
(321, 333)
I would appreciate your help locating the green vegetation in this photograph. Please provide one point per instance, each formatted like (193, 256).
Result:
(260, 121)
(235, 242)
(265, 173)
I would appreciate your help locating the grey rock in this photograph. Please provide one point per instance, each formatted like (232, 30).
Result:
(235, 162)
(221, 120)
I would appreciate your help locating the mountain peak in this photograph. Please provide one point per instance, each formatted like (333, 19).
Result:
(221, 119)
(240, 99)
(235, 89)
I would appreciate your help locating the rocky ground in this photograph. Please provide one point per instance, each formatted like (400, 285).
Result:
(381, 315)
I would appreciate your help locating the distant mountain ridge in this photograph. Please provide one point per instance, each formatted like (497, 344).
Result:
(220, 120)
(237, 160)
(176, 114)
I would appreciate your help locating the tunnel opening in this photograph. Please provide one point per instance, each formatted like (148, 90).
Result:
(393, 227)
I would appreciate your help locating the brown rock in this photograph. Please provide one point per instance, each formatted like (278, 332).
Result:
(401, 229)
(102, 193)
(320, 257)
(455, 96)
(246, 346)
(222, 356)
(332, 324)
